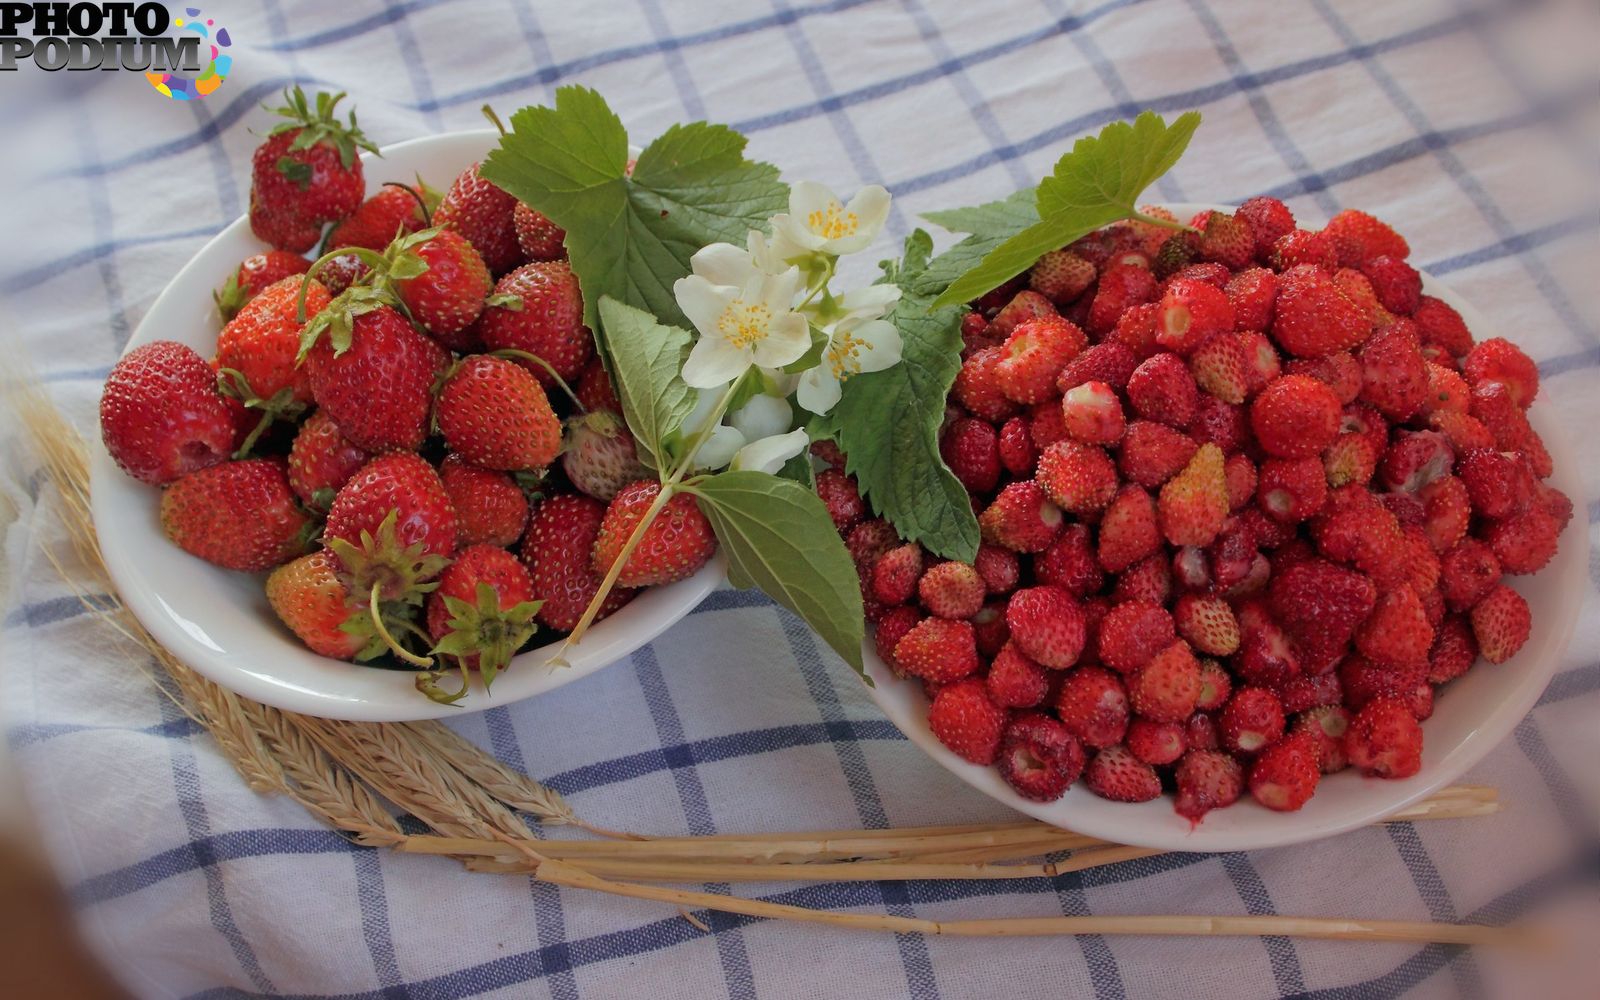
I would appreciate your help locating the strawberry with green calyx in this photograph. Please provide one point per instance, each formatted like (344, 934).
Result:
(495, 414)
(161, 416)
(309, 596)
(538, 309)
(253, 274)
(237, 515)
(307, 173)
(256, 353)
(599, 454)
(482, 613)
(397, 209)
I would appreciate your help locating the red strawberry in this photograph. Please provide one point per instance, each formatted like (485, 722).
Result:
(1295, 417)
(1093, 705)
(321, 460)
(896, 572)
(1021, 308)
(308, 596)
(842, 497)
(1221, 367)
(306, 173)
(1292, 489)
(1048, 625)
(595, 392)
(490, 508)
(1252, 719)
(1384, 740)
(557, 549)
(1397, 633)
(1374, 238)
(160, 414)
(397, 209)
(1525, 542)
(1313, 317)
(538, 310)
(1061, 276)
(1215, 686)
(1415, 460)
(870, 540)
(1200, 732)
(1501, 622)
(1176, 252)
(1167, 688)
(253, 274)
(1128, 530)
(1015, 681)
(1253, 293)
(1268, 219)
(951, 590)
(447, 296)
(1149, 579)
(1447, 390)
(262, 341)
(1194, 503)
(1120, 287)
(1492, 405)
(538, 237)
(391, 527)
(1047, 424)
(1190, 313)
(483, 611)
(1039, 758)
(1467, 573)
(890, 629)
(1156, 743)
(1136, 330)
(1069, 562)
(237, 515)
(1394, 373)
(1079, 478)
(376, 382)
(1239, 474)
(1499, 360)
(1034, 355)
(1093, 414)
(1015, 447)
(1228, 240)
(1207, 623)
(971, 449)
(1324, 727)
(990, 630)
(1162, 389)
(1339, 371)
(598, 454)
(1322, 604)
(1455, 650)
(1132, 633)
(1153, 453)
(998, 567)
(1285, 775)
(1440, 326)
(1498, 484)
(1206, 780)
(675, 546)
(977, 387)
(1116, 774)
(495, 414)
(1397, 284)
(1021, 518)
(483, 214)
(1109, 362)
(341, 272)
(966, 721)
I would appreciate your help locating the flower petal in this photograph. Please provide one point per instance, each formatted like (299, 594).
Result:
(713, 361)
(762, 417)
(882, 345)
(870, 207)
(868, 303)
(791, 239)
(719, 448)
(818, 391)
(768, 454)
(706, 400)
(723, 264)
(703, 302)
(788, 338)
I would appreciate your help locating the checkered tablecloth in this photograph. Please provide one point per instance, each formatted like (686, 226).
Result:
(1466, 129)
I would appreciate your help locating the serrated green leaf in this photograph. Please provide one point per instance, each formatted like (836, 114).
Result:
(1016, 212)
(631, 238)
(777, 536)
(647, 359)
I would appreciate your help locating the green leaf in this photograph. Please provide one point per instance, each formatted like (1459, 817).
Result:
(778, 536)
(1097, 182)
(1016, 212)
(647, 359)
(888, 423)
(632, 237)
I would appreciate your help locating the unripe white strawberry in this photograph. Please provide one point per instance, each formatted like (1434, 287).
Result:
(598, 454)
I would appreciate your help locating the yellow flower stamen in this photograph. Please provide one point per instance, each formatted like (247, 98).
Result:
(844, 355)
(745, 324)
(833, 223)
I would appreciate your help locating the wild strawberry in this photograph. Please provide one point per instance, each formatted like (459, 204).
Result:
(1093, 414)
(495, 414)
(340, 273)
(1498, 484)
(1312, 317)
(1046, 624)
(1464, 431)
(1350, 459)
(998, 567)
(483, 610)
(557, 549)
(1215, 686)
(1440, 326)
(1339, 371)
(1447, 390)
(1292, 489)
(1156, 743)
(1397, 633)
(1295, 417)
(1226, 425)
(1069, 563)
(1167, 688)
(1324, 726)
(1394, 373)
(896, 572)
(1251, 720)
(1047, 424)
(938, 650)
(1374, 238)
(1194, 504)
(254, 274)
(1266, 657)
(1162, 389)
(1253, 293)
(1191, 312)
(237, 515)
(321, 460)
(1116, 774)
(537, 309)
(595, 392)
(1110, 362)
(1120, 287)
(1153, 453)
(1020, 309)
(971, 449)
(392, 527)
(160, 414)
(1239, 477)
(966, 721)
(1501, 622)
(1132, 633)
(1268, 219)
(1200, 732)
(1093, 705)
(1228, 240)
(1206, 271)
(1491, 404)
(377, 383)
(308, 596)
(1136, 330)
(1322, 604)
(842, 498)
(1021, 518)
(1206, 780)
(1079, 478)
(1300, 248)
(1285, 775)
(1455, 649)
(1128, 530)
(1221, 367)
(1384, 740)
(951, 590)
(1038, 757)
(1397, 284)
(1034, 355)
(1207, 623)
(306, 173)
(1499, 360)
(977, 387)
(1149, 579)
(1061, 276)
(484, 214)
(1015, 681)
(675, 545)
(990, 630)
(1015, 447)
(490, 508)
(1176, 252)
(1525, 542)
(537, 237)
(1467, 573)
(890, 629)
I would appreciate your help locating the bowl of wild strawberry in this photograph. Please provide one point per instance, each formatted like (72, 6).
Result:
(1277, 537)
(332, 515)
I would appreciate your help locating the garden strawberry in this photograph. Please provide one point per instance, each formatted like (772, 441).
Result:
(306, 173)
(392, 528)
(237, 515)
(1021, 518)
(558, 550)
(1061, 276)
(965, 720)
(1193, 504)
(321, 460)
(1115, 773)
(161, 416)
(495, 414)
(1285, 775)
(938, 650)
(538, 237)
(1312, 317)
(1384, 740)
(374, 377)
(253, 274)
(1015, 681)
(261, 343)
(951, 590)
(1038, 757)
(537, 309)
(448, 294)
(673, 547)
(1373, 237)
(1206, 780)
(396, 210)
(1078, 478)
(490, 507)
(599, 454)
(1093, 705)
(485, 215)
(483, 611)
(971, 449)
(308, 595)
(1501, 623)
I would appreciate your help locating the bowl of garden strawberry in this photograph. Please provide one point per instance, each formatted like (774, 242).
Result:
(264, 610)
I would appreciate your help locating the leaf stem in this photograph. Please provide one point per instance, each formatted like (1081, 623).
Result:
(513, 353)
(1157, 221)
(243, 451)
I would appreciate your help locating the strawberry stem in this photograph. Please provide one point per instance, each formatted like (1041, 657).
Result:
(512, 353)
(422, 203)
(250, 440)
(389, 640)
(494, 119)
(1152, 220)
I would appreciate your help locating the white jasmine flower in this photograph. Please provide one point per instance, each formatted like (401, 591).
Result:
(818, 222)
(764, 416)
(744, 316)
(769, 454)
(854, 346)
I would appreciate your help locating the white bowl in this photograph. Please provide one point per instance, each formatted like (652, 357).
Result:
(1471, 714)
(219, 623)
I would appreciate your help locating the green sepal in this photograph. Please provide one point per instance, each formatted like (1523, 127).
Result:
(404, 574)
(230, 298)
(337, 318)
(486, 630)
(321, 126)
(294, 170)
(505, 300)
(282, 406)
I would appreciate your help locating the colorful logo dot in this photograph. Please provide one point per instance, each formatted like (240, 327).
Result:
(187, 87)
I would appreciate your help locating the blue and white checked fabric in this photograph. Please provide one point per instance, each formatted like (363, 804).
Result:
(1431, 115)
